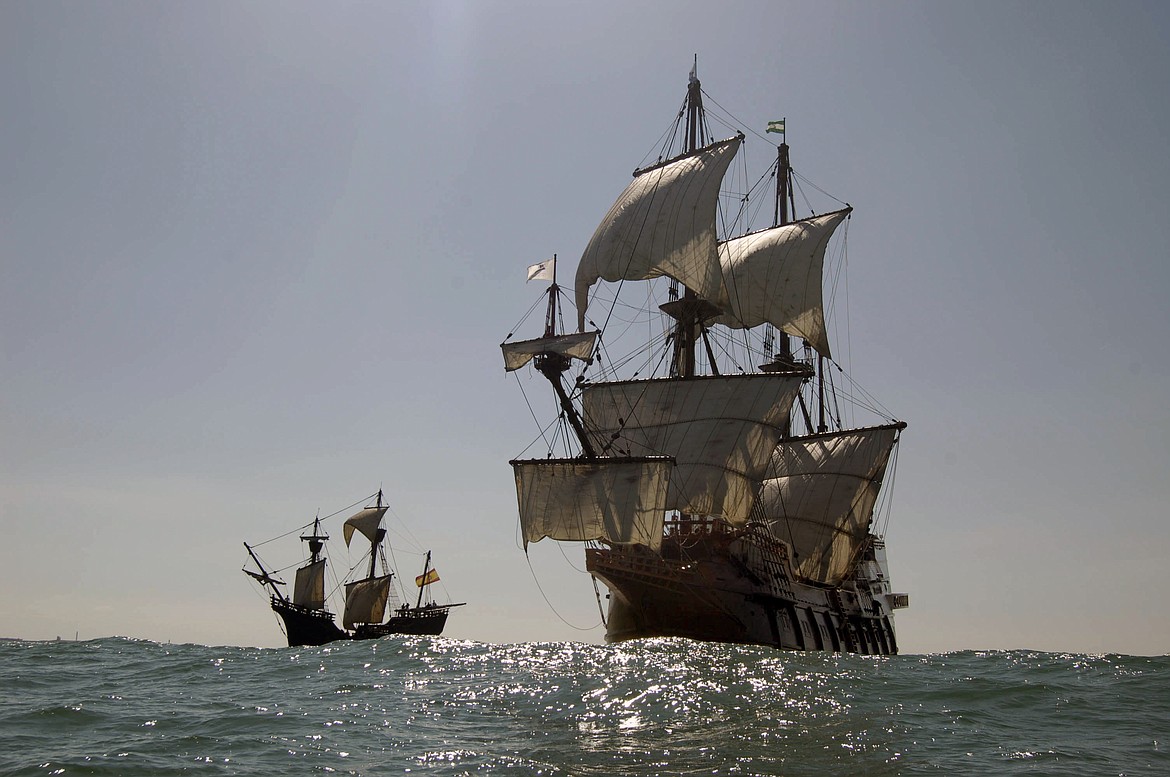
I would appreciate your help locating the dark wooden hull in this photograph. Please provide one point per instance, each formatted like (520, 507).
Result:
(306, 627)
(726, 592)
(428, 620)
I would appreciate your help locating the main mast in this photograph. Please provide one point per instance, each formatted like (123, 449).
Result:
(376, 541)
(691, 310)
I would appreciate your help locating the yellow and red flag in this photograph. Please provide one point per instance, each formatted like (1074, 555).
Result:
(427, 579)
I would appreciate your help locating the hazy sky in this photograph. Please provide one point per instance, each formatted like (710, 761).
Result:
(256, 260)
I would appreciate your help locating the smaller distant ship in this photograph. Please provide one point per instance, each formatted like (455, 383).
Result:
(305, 614)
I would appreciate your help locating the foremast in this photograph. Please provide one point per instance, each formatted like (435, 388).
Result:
(589, 496)
(554, 363)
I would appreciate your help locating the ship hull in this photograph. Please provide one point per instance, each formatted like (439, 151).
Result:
(305, 627)
(732, 591)
(420, 621)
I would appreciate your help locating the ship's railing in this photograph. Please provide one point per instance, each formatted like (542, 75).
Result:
(631, 559)
(687, 525)
(285, 603)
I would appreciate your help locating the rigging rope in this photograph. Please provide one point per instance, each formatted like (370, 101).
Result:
(550, 604)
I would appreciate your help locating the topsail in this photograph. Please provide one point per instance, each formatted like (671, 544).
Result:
(579, 346)
(775, 277)
(366, 521)
(662, 224)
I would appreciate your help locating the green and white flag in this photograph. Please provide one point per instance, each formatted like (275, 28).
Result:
(776, 126)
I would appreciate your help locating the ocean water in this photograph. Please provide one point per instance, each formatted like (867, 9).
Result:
(425, 706)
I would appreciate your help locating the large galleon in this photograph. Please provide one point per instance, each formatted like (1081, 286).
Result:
(718, 490)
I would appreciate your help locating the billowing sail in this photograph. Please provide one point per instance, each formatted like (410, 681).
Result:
(721, 431)
(662, 224)
(578, 346)
(775, 276)
(365, 600)
(822, 498)
(620, 500)
(309, 586)
(367, 521)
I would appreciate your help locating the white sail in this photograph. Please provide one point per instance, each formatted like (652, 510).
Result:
(721, 431)
(309, 586)
(365, 600)
(822, 498)
(367, 521)
(662, 224)
(620, 500)
(775, 276)
(577, 346)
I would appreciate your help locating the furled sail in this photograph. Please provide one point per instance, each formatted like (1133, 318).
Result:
(822, 497)
(721, 431)
(309, 586)
(367, 521)
(662, 224)
(620, 500)
(365, 600)
(578, 346)
(775, 276)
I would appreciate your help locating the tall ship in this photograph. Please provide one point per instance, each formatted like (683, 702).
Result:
(700, 450)
(372, 606)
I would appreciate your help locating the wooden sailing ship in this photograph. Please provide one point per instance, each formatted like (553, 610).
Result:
(717, 494)
(371, 607)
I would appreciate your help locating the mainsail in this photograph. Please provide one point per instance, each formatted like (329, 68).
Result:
(309, 586)
(619, 500)
(720, 430)
(774, 277)
(822, 496)
(365, 600)
(662, 224)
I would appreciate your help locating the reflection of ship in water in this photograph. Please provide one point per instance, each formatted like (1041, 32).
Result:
(717, 499)
(306, 617)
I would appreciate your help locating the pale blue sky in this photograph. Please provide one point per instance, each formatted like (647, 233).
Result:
(256, 260)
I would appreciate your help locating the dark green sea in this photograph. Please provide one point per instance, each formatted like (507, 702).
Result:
(661, 707)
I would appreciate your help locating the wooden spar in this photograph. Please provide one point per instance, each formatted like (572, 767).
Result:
(426, 568)
(315, 540)
(550, 316)
(686, 332)
(783, 193)
(264, 577)
(379, 535)
(553, 365)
